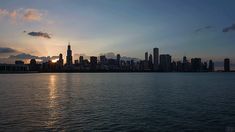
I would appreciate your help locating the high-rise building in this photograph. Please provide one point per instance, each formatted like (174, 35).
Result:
(196, 64)
(211, 67)
(93, 60)
(61, 60)
(102, 59)
(146, 63)
(81, 59)
(146, 56)
(227, 65)
(69, 57)
(155, 58)
(151, 61)
(165, 63)
(118, 59)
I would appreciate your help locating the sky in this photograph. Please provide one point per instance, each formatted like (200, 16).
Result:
(195, 28)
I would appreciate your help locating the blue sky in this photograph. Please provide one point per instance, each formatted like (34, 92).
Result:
(130, 27)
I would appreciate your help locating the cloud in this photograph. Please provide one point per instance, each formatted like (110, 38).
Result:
(32, 15)
(5, 50)
(204, 28)
(29, 15)
(25, 56)
(22, 56)
(230, 28)
(40, 34)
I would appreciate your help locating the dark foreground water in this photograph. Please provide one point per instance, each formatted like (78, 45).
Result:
(118, 102)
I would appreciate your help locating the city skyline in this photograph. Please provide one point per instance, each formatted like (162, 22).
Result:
(203, 29)
(153, 62)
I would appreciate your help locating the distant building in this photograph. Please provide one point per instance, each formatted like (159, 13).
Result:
(118, 59)
(69, 58)
(61, 60)
(146, 56)
(150, 61)
(155, 58)
(165, 63)
(196, 64)
(185, 65)
(211, 67)
(19, 62)
(93, 62)
(81, 59)
(13, 68)
(102, 59)
(227, 65)
(146, 63)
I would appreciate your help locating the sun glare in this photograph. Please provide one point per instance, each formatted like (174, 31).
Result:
(55, 60)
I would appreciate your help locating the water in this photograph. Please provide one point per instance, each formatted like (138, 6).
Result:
(117, 102)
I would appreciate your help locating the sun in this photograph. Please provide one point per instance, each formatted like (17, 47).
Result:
(54, 61)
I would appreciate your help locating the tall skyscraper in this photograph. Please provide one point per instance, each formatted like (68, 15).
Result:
(146, 56)
(227, 65)
(211, 67)
(196, 64)
(165, 63)
(146, 63)
(118, 59)
(151, 61)
(61, 61)
(81, 59)
(69, 58)
(155, 58)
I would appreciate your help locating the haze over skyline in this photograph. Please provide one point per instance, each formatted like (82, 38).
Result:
(193, 28)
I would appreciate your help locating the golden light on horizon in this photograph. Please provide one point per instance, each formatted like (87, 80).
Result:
(54, 61)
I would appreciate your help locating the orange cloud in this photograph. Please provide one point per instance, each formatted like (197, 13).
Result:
(23, 14)
(32, 15)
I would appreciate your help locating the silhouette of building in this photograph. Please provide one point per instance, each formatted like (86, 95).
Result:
(81, 59)
(146, 62)
(93, 62)
(19, 62)
(5, 68)
(69, 58)
(60, 61)
(165, 63)
(227, 65)
(102, 59)
(185, 65)
(150, 61)
(196, 64)
(211, 67)
(155, 58)
(33, 66)
(118, 59)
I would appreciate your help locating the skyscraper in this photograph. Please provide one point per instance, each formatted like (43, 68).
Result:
(227, 65)
(155, 58)
(151, 61)
(69, 58)
(196, 64)
(211, 67)
(61, 61)
(146, 63)
(146, 56)
(165, 63)
(118, 59)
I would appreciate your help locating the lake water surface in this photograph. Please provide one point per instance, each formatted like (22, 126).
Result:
(117, 102)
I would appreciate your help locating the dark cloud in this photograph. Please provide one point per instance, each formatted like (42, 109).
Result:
(6, 50)
(203, 28)
(230, 28)
(40, 34)
(24, 56)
